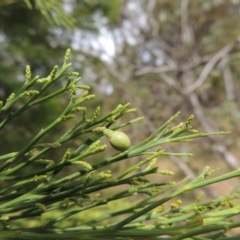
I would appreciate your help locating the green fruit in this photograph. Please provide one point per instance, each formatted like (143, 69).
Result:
(119, 140)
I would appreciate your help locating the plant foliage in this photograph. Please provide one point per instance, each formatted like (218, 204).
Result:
(52, 195)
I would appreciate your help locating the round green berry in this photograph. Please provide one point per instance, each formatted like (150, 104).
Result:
(119, 140)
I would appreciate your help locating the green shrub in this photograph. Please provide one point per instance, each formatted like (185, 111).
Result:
(40, 196)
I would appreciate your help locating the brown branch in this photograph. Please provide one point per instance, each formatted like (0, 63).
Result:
(208, 67)
(150, 69)
(227, 77)
(167, 68)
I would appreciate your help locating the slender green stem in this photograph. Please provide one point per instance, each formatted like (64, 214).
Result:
(190, 186)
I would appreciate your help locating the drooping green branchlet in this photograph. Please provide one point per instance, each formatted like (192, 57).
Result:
(39, 178)
(85, 87)
(11, 96)
(47, 79)
(28, 74)
(94, 145)
(67, 117)
(67, 55)
(176, 204)
(29, 93)
(47, 162)
(53, 72)
(189, 121)
(95, 115)
(41, 206)
(105, 175)
(84, 164)
(166, 172)
(48, 145)
(66, 155)
(73, 74)
(78, 109)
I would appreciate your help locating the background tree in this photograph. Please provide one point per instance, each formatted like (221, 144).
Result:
(27, 38)
(168, 56)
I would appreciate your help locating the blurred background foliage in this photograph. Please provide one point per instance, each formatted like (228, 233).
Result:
(161, 56)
